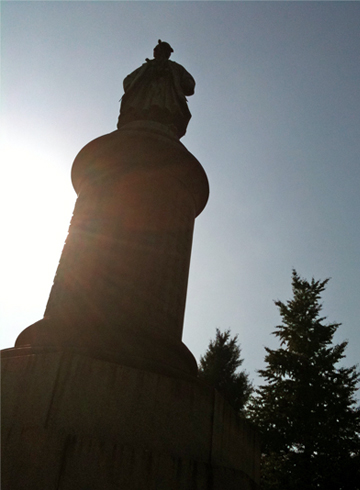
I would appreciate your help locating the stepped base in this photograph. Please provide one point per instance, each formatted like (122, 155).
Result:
(146, 349)
(74, 422)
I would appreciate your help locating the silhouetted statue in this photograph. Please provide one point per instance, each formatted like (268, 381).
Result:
(156, 92)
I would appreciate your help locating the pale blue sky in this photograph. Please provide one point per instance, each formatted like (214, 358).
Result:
(276, 125)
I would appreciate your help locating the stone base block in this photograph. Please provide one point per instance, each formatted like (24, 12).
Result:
(74, 422)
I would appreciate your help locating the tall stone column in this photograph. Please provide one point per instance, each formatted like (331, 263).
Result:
(120, 288)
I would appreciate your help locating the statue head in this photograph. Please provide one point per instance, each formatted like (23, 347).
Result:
(162, 51)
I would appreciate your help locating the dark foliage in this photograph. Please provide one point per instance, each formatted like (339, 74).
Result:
(306, 411)
(218, 368)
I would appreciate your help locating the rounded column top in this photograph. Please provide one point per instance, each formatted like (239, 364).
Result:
(139, 146)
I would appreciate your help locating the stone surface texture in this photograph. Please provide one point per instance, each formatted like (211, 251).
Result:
(120, 287)
(73, 422)
(101, 394)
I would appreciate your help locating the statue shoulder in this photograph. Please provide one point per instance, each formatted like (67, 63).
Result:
(134, 76)
(186, 80)
(176, 66)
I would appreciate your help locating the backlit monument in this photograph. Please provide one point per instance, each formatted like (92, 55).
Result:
(101, 393)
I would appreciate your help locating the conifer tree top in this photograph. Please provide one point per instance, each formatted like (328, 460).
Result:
(307, 411)
(219, 368)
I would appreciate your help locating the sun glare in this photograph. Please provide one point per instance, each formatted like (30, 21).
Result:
(37, 202)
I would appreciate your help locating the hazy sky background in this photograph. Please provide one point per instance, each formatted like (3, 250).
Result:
(276, 125)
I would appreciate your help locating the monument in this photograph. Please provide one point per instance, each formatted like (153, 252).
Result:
(101, 392)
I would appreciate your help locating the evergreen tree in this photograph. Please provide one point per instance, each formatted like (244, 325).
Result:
(306, 411)
(218, 368)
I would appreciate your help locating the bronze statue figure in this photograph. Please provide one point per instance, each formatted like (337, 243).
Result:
(157, 92)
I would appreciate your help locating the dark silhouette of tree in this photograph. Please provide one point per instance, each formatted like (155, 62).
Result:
(218, 368)
(306, 411)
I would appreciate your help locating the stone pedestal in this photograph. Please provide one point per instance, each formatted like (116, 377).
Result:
(101, 393)
(120, 288)
(73, 422)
